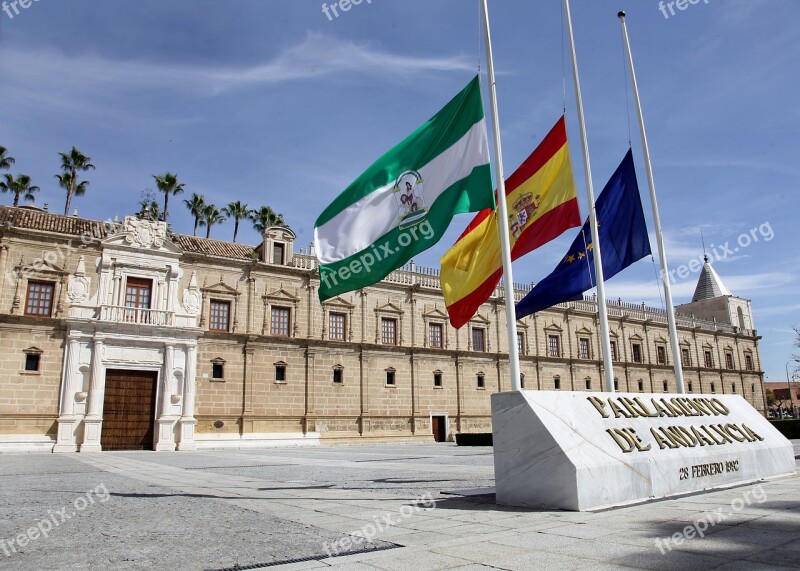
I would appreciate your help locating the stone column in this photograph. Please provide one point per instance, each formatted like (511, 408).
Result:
(459, 392)
(117, 291)
(165, 437)
(172, 289)
(188, 422)
(59, 297)
(249, 386)
(67, 419)
(310, 419)
(93, 423)
(3, 260)
(251, 296)
(364, 389)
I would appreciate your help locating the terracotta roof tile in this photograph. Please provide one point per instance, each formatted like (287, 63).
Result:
(214, 247)
(73, 226)
(48, 222)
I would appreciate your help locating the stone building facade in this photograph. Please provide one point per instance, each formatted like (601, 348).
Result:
(123, 335)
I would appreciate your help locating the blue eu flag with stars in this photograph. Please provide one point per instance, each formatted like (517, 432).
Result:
(623, 241)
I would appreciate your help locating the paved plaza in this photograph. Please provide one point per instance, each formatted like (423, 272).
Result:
(421, 507)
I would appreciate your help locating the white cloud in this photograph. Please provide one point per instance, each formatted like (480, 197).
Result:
(776, 310)
(317, 56)
(648, 291)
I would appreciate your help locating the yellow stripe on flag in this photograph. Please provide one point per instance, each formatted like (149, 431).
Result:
(541, 207)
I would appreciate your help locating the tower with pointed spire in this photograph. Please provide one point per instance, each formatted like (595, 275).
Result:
(712, 300)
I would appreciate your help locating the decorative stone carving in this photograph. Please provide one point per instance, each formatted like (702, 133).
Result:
(143, 233)
(78, 289)
(192, 298)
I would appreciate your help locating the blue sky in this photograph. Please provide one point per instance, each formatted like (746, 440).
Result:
(272, 102)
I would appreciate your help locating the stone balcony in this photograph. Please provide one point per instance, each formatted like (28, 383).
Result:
(122, 314)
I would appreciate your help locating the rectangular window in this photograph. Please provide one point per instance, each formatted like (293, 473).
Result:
(637, 352)
(553, 346)
(217, 370)
(614, 351)
(40, 299)
(521, 343)
(690, 387)
(709, 359)
(729, 360)
(137, 293)
(220, 315)
(338, 375)
(32, 361)
(588, 384)
(389, 331)
(661, 354)
(277, 253)
(336, 326)
(280, 373)
(616, 384)
(583, 348)
(641, 386)
(478, 339)
(137, 296)
(390, 379)
(437, 380)
(557, 383)
(713, 389)
(748, 362)
(280, 321)
(481, 382)
(687, 360)
(435, 335)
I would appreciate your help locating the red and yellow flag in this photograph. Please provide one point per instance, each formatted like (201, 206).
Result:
(542, 203)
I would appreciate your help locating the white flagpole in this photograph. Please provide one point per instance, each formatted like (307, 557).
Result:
(505, 242)
(662, 254)
(605, 341)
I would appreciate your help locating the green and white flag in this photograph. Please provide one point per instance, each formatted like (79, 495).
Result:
(404, 202)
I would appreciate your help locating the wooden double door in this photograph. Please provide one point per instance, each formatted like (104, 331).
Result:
(129, 410)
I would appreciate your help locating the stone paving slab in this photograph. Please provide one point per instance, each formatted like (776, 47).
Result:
(212, 510)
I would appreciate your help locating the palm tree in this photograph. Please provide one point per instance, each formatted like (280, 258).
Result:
(237, 211)
(149, 209)
(196, 204)
(71, 163)
(265, 217)
(211, 215)
(19, 187)
(5, 160)
(168, 184)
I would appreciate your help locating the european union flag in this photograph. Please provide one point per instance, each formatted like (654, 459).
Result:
(623, 241)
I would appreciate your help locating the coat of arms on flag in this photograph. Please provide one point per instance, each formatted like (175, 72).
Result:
(410, 193)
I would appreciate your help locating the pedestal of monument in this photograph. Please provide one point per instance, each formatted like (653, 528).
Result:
(585, 451)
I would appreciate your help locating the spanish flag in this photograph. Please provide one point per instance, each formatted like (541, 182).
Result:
(542, 203)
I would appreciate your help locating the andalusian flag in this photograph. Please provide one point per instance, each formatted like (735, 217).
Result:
(542, 203)
(404, 202)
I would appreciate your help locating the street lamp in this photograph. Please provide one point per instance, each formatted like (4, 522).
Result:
(789, 382)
